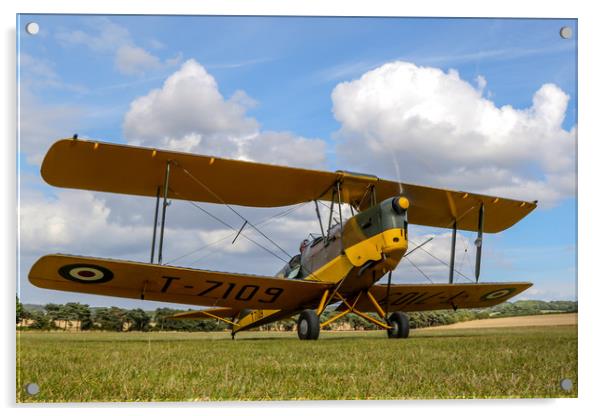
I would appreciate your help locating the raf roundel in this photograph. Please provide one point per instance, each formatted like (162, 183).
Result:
(497, 294)
(86, 273)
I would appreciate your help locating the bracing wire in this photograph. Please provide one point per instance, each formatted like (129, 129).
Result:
(418, 268)
(216, 196)
(444, 263)
(215, 242)
(461, 266)
(232, 228)
(243, 235)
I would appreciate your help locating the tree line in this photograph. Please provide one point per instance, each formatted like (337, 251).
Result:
(81, 317)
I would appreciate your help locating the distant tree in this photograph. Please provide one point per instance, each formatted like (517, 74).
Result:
(138, 320)
(84, 316)
(41, 321)
(20, 311)
(53, 312)
(76, 312)
(110, 319)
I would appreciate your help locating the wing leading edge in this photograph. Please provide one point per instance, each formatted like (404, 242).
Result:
(172, 284)
(106, 167)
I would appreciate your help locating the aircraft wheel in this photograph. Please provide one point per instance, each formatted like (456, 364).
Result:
(308, 325)
(401, 325)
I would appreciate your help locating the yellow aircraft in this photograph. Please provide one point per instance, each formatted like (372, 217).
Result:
(342, 265)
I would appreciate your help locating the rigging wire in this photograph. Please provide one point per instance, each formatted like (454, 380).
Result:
(418, 268)
(232, 209)
(232, 228)
(262, 222)
(444, 263)
(464, 256)
(470, 258)
(243, 235)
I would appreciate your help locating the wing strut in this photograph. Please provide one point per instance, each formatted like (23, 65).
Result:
(340, 210)
(152, 260)
(165, 204)
(452, 259)
(319, 218)
(479, 242)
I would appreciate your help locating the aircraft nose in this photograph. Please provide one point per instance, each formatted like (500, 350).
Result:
(394, 247)
(394, 240)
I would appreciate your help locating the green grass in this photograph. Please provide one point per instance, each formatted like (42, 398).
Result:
(517, 362)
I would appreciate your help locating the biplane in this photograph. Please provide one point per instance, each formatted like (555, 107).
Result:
(341, 267)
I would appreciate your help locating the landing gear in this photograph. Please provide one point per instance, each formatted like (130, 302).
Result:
(400, 324)
(308, 325)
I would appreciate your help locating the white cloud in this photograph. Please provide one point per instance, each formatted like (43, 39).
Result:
(132, 60)
(189, 113)
(188, 103)
(37, 73)
(75, 222)
(443, 132)
(37, 69)
(40, 124)
(105, 36)
(156, 44)
(280, 148)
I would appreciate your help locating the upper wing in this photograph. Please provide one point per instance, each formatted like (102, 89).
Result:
(172, 284)
(429, 297)
(439, 207)
(80, 164)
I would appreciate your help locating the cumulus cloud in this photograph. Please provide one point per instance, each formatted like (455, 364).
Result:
(188, 104)
(75, 221)
(441, 131)
(189, 113)
(105, 36)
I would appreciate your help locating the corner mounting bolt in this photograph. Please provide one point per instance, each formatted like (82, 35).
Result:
(566, 32)
(32, 28)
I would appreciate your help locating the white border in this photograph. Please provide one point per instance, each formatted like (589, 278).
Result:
(589, 189)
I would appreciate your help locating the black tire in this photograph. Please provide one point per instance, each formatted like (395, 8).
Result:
(308, 325)
(401, 325)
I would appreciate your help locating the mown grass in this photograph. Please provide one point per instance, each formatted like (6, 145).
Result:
(517, 362)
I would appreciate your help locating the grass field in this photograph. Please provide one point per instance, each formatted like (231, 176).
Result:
(445, 363)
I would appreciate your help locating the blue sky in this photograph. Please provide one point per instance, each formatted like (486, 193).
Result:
(83, 73)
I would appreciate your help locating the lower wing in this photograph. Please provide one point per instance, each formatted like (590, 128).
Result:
(428, 297)
(171, 284)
